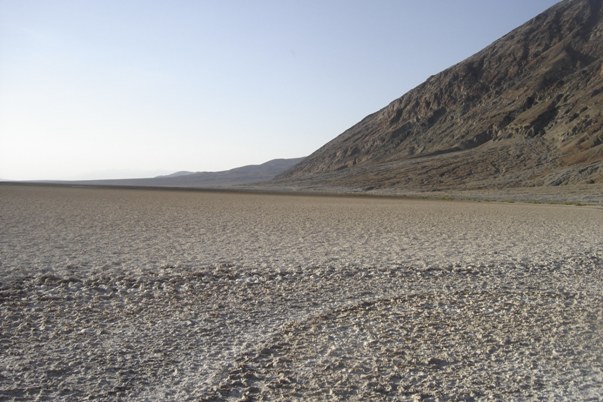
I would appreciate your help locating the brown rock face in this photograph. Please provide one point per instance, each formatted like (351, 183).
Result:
(525, 111)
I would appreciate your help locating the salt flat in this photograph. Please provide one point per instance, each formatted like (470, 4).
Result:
(171, 295)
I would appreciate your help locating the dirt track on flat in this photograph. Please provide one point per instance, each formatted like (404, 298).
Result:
(164, 295)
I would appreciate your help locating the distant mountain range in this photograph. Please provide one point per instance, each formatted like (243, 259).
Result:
(525, 111)
(244, 175)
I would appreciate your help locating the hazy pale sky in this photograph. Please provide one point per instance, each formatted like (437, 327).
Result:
(133, 88)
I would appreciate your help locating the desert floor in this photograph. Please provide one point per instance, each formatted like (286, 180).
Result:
(171, 295)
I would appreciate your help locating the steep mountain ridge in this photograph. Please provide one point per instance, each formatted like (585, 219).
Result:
(524, 111)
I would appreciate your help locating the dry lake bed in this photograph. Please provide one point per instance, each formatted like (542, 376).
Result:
(171, 295)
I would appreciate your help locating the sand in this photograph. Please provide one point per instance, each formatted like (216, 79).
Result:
(170, 295)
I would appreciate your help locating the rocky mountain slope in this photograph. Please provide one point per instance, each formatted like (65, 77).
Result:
(525, 111)
(244, 175)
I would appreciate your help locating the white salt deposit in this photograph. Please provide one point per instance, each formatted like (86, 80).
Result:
(167, 295)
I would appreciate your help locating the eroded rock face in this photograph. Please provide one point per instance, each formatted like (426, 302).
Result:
(525, 111)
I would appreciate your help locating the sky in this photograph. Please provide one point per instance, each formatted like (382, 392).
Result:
(94, 89)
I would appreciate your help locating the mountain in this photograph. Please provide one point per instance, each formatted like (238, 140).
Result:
(176, 174)
(524, 111)
(244, 175)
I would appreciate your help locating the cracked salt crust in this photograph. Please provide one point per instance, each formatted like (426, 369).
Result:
(189, 295)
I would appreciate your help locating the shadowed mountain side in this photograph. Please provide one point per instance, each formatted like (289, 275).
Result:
(243, 175)
(525, 111)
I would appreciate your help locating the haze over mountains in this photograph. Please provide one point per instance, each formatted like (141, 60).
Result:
(243, 175)
(525, 111)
